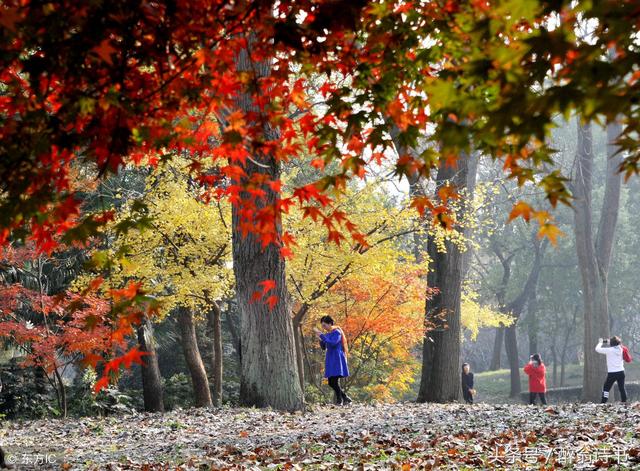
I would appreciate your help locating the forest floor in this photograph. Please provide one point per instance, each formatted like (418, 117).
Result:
(391, 436)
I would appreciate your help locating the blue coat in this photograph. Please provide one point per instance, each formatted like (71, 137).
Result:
(335, 362)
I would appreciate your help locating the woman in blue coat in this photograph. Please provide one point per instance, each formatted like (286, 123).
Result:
(334, 342)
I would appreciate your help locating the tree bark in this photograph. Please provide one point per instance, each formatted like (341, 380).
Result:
(511, 347)
(594, 256)
(269, 370)
(501, 293)
(63, 393)
(532, 322)
(150, 371)
(554, 353)
(214, 321)
(299, 341)
(195, 365)
(497, 349)
(440, 381)
(233, 324)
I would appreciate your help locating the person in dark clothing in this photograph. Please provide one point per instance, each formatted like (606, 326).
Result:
(467, 384)
(334, 342)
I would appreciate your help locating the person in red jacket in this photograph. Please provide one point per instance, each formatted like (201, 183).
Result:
(537, 373)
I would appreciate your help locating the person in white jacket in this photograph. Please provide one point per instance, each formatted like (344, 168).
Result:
(615, 367)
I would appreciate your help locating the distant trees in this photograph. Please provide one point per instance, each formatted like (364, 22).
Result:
(181, 256)
(595, 249)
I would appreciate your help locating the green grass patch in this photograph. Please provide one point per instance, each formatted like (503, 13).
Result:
(494, 386)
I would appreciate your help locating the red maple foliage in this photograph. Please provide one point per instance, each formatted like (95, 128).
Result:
(53, 326)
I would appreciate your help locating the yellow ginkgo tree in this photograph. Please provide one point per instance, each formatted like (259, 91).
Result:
(182, 256)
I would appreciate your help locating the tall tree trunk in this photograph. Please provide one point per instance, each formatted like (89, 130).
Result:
(233, 324)
(594, 256)
(269, 374)
(497, 349)
(440, 381)
(569, 331)
(195, 365)
(62, 396)
(511, 347)
(150, 371)
(214, 326)
(532, 322)
(298, 317)
(501, 293)
(554, 353)
(40, 380)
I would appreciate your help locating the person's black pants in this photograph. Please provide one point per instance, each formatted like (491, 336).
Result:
(532, 397)
(468, 397)
(334, 382)
(617, 377)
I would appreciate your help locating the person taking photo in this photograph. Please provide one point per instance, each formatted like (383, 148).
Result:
(537, 373)
(612, 349)
(334, 342)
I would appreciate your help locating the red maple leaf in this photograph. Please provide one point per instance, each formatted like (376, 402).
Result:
(104, 51)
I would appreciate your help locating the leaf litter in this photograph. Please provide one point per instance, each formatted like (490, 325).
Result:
(401, 436)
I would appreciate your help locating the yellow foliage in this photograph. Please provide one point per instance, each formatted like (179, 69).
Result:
(476, 316)
(376, 294)
(183, 257)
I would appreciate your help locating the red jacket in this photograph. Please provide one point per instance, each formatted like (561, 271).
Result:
(537, 378)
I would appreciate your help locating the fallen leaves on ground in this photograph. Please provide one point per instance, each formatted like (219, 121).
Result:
(389, 436)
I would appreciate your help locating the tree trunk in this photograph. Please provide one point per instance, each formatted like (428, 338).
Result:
(269, 374)
(594, 257)
(297, 334)
(554, 352)
(233, 324)
(532, 323)
(299, 340)
(440, 381)
(62, 402)
(214, 326)
(150, 371)
(497, 349)
(501, 293)
(40, 380)
(511, 347)
(199, 380)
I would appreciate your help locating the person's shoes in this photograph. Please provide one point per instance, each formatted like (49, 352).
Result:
(346, 399)
(338, 401)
